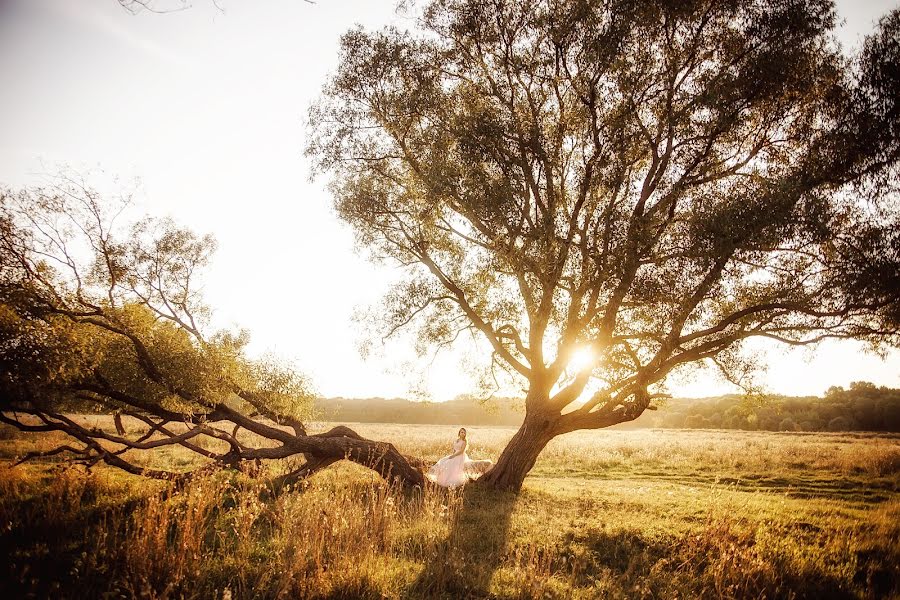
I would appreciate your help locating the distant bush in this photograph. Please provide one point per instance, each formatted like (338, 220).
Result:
(839, 424)
(696, 422)
(787, 424)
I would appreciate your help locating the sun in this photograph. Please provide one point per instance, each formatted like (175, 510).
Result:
(582, 358)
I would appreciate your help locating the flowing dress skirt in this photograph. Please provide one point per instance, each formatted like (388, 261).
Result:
(454, 471)
(450, 471)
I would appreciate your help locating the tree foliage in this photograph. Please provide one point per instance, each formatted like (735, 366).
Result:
(94, 315)
(658, 181)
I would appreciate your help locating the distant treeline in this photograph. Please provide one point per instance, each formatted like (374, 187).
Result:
(862, 407)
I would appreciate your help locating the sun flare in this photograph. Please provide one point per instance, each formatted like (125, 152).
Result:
(583, 358)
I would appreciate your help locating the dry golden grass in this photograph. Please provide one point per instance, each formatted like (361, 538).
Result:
(641, 514)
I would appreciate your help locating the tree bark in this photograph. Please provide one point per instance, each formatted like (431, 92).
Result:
(521, 452)
(341, 442)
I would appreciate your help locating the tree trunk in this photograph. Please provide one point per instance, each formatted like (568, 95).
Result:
(343, 443)
(521, 452)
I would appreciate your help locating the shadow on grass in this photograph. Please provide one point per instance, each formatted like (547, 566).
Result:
(464, 563)
(364, 589)
(719, 562)
(41, 552)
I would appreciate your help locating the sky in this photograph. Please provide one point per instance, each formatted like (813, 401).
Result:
(206, 106)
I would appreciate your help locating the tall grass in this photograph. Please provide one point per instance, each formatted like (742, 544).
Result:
(626, 515)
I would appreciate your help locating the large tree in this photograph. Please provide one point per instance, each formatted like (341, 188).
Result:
(96, 315)
(656, 181)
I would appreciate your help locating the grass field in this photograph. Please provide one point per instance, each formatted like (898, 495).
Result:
(608, 514)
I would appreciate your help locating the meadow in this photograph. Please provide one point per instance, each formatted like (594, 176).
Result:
(604, 514)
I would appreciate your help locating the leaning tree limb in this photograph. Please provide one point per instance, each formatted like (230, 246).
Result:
(123, 330)
(320, 450)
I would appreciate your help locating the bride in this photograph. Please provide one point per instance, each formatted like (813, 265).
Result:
(456, 469)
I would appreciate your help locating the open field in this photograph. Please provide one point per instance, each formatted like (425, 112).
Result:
(649, 513)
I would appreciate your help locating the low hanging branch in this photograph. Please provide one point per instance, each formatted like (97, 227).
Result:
(89, 320)
(320, 450)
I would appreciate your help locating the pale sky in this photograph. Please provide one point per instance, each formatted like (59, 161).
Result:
(207, 109)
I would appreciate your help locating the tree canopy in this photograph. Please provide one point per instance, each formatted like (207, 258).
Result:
(655, 181)
(98, 315)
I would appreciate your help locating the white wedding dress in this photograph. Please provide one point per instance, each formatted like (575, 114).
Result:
(453, 471)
